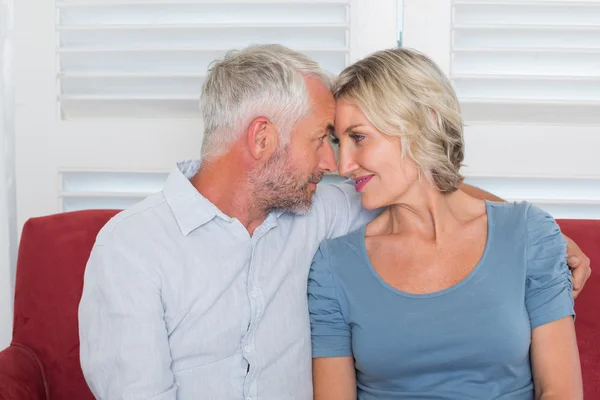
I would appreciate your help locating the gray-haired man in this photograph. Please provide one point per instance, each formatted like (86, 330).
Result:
(199, 291)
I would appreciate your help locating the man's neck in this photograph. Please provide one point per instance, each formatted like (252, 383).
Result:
(223, 181)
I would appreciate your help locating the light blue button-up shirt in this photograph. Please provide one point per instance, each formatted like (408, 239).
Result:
(180, 302)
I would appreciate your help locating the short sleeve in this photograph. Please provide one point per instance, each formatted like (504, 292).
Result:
(330, 333)
(549, 288)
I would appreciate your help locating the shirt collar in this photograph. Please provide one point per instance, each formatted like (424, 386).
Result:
(190, 208)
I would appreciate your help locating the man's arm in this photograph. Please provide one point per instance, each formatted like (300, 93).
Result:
(478, 193)
(578, 262)
(124, 343)
(342, 211)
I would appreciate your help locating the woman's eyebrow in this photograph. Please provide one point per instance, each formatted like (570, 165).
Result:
(351, 128)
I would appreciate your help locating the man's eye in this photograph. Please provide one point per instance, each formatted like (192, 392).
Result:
(335, 141)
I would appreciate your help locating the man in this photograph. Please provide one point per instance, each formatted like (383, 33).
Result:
(199, 291)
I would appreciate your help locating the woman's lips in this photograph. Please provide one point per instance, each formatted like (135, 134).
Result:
(361, 181)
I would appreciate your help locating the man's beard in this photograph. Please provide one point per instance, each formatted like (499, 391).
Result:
(278, 186)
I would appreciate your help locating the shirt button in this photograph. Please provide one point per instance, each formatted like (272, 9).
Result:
(254, 293)
(248, 349)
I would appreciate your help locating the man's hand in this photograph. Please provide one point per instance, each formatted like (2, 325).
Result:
(579, 264)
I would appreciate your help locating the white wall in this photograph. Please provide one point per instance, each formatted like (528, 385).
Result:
(7, 189)
(6, 245)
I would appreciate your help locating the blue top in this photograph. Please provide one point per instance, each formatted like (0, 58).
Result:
(470, 341)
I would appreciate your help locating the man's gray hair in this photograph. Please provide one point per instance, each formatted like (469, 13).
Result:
(260, 80)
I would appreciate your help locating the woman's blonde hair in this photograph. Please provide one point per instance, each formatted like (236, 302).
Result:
(404, 94)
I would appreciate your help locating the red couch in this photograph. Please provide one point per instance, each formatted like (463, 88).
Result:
(42, 361)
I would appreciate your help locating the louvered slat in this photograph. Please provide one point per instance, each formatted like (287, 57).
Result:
(527, 61)
(563, 197)
(148, 59)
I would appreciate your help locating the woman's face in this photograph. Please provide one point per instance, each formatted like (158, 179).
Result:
(373, 160)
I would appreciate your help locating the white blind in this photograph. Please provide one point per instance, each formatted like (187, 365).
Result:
(93, 189)
(527, 61)
(148, 59)
(79, 190)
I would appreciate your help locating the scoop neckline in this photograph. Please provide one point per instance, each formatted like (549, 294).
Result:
(442, 292)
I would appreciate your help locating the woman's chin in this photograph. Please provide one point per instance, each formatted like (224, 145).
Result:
(371, 204)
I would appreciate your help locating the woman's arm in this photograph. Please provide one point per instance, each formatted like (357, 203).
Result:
(334, 378)
(333, 363)
(549, 301)
(555, 361)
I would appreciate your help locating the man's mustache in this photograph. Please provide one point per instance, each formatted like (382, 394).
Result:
(316, 178)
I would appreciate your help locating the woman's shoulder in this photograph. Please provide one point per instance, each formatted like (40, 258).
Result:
(509, 209)
(342, 244)
(519, 213)
(527, 222)
(342, 252)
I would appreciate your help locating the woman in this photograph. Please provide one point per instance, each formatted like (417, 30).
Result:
(442, 296)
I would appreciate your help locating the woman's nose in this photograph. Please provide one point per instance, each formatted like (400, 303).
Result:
(346, 165)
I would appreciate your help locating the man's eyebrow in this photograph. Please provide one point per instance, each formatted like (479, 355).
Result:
(329, 130)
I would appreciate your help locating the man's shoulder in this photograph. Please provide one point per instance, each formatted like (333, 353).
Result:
(134, 221)
(330, 192)
(341, 205)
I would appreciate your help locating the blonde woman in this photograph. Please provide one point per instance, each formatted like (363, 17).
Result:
(442, 296)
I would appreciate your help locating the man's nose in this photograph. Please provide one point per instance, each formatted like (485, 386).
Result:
(327, 162)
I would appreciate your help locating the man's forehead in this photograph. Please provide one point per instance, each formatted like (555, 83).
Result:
(326, 105)
(324, 111)
(318, 90)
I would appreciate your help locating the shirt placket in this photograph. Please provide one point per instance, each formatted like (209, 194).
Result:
(257, 307)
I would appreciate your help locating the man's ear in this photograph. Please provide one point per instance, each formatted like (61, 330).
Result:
(263, 138)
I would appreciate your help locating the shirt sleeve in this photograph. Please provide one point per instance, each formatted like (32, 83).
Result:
(549, 289)
(123, 338)
(331, 335)
(343, 210)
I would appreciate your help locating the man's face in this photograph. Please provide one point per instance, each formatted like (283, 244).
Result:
(290, 177)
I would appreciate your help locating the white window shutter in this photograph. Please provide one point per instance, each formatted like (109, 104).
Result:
(107, 91)
(527, 61)
(147, 59)
(527, 73)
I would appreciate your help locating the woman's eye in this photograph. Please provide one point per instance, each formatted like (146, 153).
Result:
(357, 137)
(335, 141)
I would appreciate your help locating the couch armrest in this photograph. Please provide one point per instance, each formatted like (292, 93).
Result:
(21, 375)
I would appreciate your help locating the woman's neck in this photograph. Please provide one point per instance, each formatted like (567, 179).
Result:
(426, 212)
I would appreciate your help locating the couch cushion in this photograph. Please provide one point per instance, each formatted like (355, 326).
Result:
(21, 375)
(52, 256)
(587, 306)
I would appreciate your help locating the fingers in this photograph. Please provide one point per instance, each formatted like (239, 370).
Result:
(581, 272)
(573, 262)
